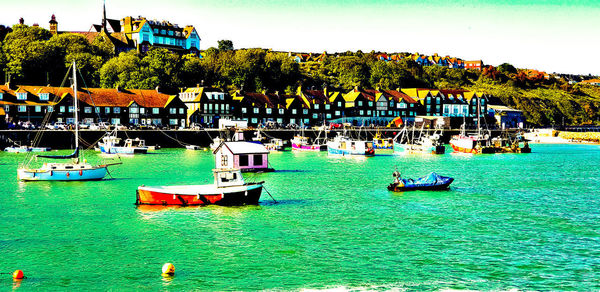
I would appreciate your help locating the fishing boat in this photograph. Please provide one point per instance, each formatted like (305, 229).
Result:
(422, 142)
(275, 144)
(380, 142)
(192, 147)
(111, 145)
(303, 143)
(343, 145)
(229, 189)
(430, 182)
(77, 169)
(475, 143)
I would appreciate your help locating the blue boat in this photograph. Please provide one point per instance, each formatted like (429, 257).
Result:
(430, 182)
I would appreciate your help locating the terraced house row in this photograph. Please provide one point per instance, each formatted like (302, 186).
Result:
(207, 105)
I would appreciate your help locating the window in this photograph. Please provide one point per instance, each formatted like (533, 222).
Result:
(370, 103)
(22, 95)
(258, 159)
(1, 96)
(170, 32)
(281, 111)
(316, 106)
(115, 121)
(156, 30)
(22, 108)
(97, 110)
(401, 105)
(173, 110)
(305, 111)
(368, 113)
(44, 96)
(327, 106)
(155, 111)
(294, 111)
(116, 110)
(38, 108)
(339, 104)
(224, 160)
(62, 109)
(173, 122)
(181, 111)
(360, 103)
(243, 160)
(269, 111)
(50, 109)
(145, 38)
(244, 110)
(437, 100)
(254, 121)
(162, 31)
(337, 113)
(315, 116)
(71, 109)
(328, 116)
(106, 110)
(87, 110)
(362, 112)
(255, 110)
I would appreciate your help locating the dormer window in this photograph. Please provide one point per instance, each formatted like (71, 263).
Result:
(22, 95)
(44, 96)
(1, 96)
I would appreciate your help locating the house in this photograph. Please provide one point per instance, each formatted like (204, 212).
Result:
(507, 117)
(477, 65)
(147, 33)
(325, 105)
(401, 105)
(206, 105)
(360, 105)
(25, 103)
(246, 156)
(472, 98)
(259, 108)
(454, 103)
(595, 82)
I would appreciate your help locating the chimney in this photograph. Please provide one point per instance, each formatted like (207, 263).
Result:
(21, 20)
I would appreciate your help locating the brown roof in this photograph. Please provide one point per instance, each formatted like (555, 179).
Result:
(397, 96)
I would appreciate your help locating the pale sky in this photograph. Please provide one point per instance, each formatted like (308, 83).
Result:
(554, 36)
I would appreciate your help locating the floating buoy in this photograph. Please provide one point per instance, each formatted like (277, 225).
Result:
(168, 269)
(18, 275)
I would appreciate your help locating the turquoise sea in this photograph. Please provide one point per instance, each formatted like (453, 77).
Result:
(511, 221)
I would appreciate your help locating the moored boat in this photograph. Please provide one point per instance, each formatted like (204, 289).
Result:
(302, 143)
(111, 145)
(275, 144)
(343, 145)
(192, 147)
(229, 189)
(424, 143)
(380, 142)
(430, 182)
(76, 170)
(22, 149)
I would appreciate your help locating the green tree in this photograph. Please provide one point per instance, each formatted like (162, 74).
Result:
(225, 45)
(27, 55)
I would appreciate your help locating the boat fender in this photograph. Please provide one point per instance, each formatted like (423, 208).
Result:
(80, 172)
(51, 173)
(68, 174)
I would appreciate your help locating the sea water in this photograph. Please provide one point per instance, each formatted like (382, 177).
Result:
(509, 221)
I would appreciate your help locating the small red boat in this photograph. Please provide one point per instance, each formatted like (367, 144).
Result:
(229, 189)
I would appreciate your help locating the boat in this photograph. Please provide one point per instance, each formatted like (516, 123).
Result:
(430, 182)
(228, 189)
(192, 147)
(422, 142)
(275, 144)
(545, 136)
(379, 142)
(343, 145)
(111, 145)
(21, 149)
(78, 169)
(303, 143)
(475, 143)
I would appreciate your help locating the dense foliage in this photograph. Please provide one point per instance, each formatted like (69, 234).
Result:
(31, 55)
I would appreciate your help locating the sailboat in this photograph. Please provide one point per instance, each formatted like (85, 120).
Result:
(77, 169)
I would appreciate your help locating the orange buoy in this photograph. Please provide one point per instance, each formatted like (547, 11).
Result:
(168, 269)
(18, 275)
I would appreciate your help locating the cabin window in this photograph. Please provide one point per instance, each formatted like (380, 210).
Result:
(243, 160)
(224, 160)
(258, 159)
(69, 167)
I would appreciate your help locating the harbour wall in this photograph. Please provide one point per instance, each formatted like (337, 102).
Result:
(64, 139)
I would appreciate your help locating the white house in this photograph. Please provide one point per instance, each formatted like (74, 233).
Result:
(246, 156)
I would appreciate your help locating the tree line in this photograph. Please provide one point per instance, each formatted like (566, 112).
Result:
(32, 55)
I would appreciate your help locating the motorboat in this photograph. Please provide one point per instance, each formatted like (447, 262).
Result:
(430, 182)
(229, 189)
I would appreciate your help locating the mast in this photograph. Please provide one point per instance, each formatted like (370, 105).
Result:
(75, 105)
(478, 118)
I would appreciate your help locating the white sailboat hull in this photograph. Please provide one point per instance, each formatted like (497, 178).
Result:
(94, 173)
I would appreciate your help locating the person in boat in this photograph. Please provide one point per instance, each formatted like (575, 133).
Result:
(396, 174)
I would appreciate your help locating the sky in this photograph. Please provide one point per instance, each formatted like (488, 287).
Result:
(560, 36)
